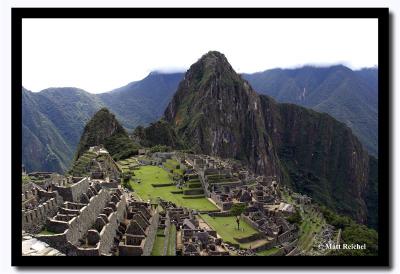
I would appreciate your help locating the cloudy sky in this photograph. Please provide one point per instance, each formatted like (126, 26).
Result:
(99, 55)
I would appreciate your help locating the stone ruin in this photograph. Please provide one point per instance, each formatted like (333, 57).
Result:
(226, 184)
(136, 235)
(192, 240)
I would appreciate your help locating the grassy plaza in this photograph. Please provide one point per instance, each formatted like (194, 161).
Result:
(226, 227)
(147, 177)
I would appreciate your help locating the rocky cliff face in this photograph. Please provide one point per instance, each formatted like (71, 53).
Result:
(216, 112)
(320, 156)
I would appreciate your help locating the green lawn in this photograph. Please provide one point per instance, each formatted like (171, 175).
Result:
(149, 175)
(226, 227)
(46, 232)
(268, 252)
(158, 246)
(171, 248)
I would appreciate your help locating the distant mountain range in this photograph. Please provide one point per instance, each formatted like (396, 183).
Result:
(349, 96)
(53, 119)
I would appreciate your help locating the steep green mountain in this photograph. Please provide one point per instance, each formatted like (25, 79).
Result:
(53, 119)
(104, 129)
(216, 112)
(349, 96)
(52, 122)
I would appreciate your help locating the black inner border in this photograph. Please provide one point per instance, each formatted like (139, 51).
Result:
(382, 14)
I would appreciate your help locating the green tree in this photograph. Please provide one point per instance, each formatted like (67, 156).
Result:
(237, 210)
(295, 218)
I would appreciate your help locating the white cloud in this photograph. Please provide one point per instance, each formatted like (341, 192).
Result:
(102, 54)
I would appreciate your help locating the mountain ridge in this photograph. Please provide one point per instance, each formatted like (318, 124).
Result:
(349, 96)
(139, 103)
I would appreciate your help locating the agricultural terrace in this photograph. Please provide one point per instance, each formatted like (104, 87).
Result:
(312, 223)
(173, 165)
(78, 169)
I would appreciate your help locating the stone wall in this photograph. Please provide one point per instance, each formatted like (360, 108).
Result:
(151, 234)
(223, 205)
(79, 225)
(46, 194)
(58, 241)
(36, 218)
(108, 232)
(207, 193)
(27, 187)
(251, 222)
(113, 184)
(287, 236)
(266, 246)
(74, 229)
(194, 191)
(57, 226)
(73, 192)
(166, 235)
(29, 193)
(220, 214)
(130, 250)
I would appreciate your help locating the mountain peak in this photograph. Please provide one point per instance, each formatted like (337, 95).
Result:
(212, 68)
(211, 98)
(213, 60)
(104, 129)
(213, 55)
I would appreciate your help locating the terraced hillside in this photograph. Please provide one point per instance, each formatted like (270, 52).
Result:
(79, 167)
